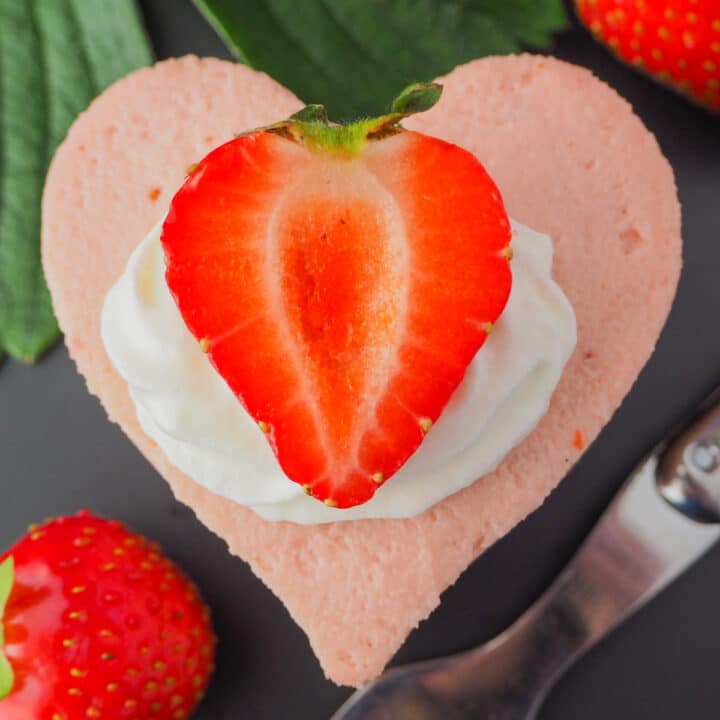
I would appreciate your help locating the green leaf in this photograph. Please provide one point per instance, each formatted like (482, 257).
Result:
(7, 578)
(55, 57)
(354, 55)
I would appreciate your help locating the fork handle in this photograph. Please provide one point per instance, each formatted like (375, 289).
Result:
(640, 544)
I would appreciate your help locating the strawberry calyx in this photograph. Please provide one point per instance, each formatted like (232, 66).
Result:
(7, 578)
(312, 127)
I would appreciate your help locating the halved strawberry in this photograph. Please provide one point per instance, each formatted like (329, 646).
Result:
(341, 279)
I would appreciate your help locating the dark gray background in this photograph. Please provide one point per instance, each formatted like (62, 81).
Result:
(59, 453)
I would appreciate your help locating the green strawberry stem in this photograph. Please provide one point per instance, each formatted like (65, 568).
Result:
(7, 578)
(312, 127)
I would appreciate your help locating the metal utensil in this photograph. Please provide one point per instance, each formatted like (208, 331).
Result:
(663, 519)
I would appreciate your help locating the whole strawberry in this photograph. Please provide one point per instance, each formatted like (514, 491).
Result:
(99, 624)
(675, 41)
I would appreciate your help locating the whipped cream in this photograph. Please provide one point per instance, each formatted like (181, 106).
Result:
(184, 405)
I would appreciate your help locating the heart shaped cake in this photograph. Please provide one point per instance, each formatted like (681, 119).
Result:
(570, 160)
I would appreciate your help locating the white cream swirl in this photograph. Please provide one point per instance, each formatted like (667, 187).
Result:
(185, 406)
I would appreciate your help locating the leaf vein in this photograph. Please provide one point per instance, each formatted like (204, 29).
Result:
(36, 277)
(73, 15)
(279, 21)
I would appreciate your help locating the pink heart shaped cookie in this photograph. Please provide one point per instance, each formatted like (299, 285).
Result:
(571, 160)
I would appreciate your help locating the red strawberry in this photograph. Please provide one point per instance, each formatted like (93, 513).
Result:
(675, 41)
(341, 279)
(98, 624)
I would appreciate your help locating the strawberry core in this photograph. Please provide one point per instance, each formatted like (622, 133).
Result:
(340, 297)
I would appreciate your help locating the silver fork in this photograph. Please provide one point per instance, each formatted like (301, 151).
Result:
(663, 519)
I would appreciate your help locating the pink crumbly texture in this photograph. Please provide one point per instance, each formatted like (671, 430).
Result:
(571, 160)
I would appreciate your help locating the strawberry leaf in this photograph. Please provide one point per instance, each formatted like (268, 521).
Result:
(354, 55)
(54, 58)
(7, 577)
